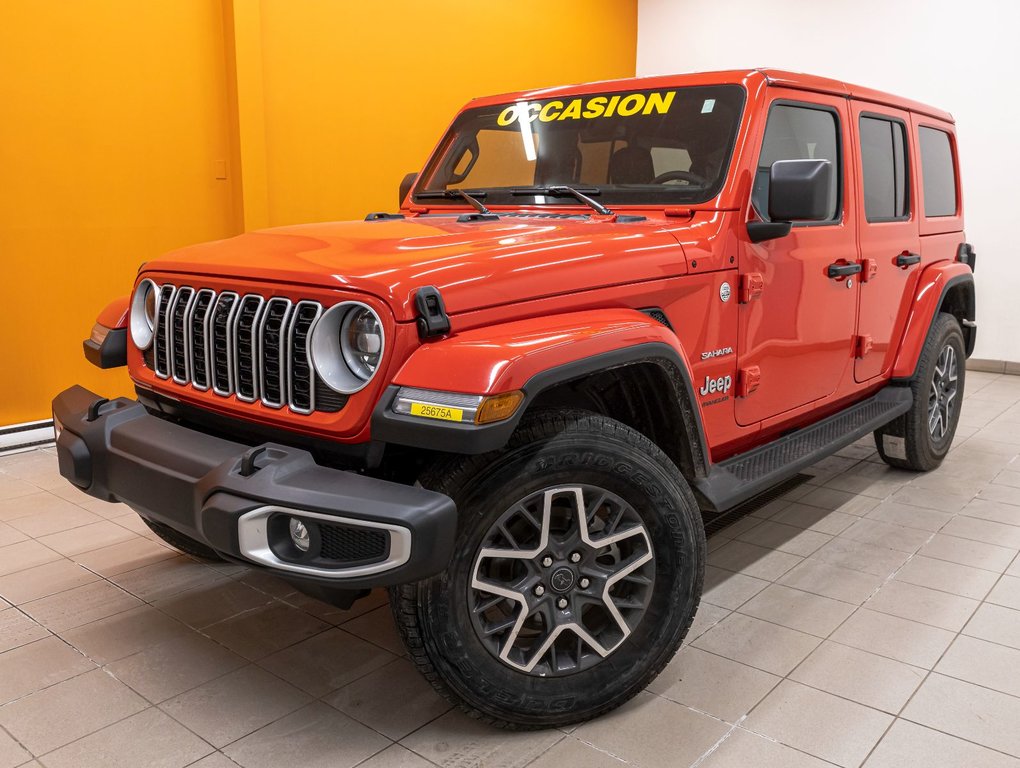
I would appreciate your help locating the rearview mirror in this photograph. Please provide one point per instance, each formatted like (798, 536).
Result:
(405, 187)
(799, 190)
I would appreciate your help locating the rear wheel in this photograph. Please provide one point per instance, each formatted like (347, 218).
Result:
(579, 567)
(921, 438)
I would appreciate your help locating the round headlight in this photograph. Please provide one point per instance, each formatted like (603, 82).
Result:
(361, 342)
(143, 313)
(347, 345)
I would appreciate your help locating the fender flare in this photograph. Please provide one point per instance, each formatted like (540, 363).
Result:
(533, 356)
(106, 347)
(933, 287)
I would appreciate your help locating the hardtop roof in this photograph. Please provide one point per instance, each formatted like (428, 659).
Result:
(777, 77)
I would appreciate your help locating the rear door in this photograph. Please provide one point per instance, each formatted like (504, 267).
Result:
(888, 233)
(795, 336)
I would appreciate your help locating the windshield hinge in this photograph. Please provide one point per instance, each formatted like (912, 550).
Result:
(432, 319)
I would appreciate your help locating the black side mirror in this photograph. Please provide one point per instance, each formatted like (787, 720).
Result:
(798, 191)
(405, 187)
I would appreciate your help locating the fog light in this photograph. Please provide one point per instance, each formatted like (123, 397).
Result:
(299, 534)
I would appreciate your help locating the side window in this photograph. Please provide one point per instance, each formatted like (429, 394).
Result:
(937, 172)
(884, 163)
(796, 132)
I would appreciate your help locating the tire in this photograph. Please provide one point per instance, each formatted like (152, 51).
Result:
(554, 461)
(185, 544)
(920, 438)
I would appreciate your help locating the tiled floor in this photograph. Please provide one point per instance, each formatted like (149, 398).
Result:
(868, 617)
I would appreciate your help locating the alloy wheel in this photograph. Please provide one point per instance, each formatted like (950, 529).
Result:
(942, 397)
(561, 580)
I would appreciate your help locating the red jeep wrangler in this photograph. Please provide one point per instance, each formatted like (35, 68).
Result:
(603, 313)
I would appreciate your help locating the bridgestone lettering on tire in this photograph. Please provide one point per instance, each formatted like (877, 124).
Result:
(578, 569)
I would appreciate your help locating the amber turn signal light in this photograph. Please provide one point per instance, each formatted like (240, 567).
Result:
(498, 407)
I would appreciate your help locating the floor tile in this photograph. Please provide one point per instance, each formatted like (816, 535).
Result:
(23, 555)
(927, 606)
(65, 712)
(86, 538)
(165, 578)
(316, 736)
(232, 706)
(709, 683)
(44, 580)
(728, 589)
(839, 501)
(994, 511)
(11, 753)
(166, 669)
(38, 665)
(887, 535)
(967, 711)
(963, 580)
(213, 602)
(987, 531)
(59, 516)
(874, 681)
(12, 488)
(569, 753)
(908, 745)
(966, 552)
(908, 516)
(150, 739)
(124, 634)
(457, 741)
(79, 606)
(859, 556)
(928, 498)
(326, 661)
(785, 538)
(823, 725)
(257, 633)
(798, 610)
(742, 749)
(651, 731)
(10, 535)
(814, 518)
(377, 627)
(17, 629)
(833, 581)
(982, 663)
(757, 643)
(1006, 593)
(708, 616)
(912, 643)
(751, 560)
(127, 556)
(995, 624)
(394, 700)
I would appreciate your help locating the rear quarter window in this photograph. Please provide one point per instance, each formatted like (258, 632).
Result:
(938, 172)
(884, 165)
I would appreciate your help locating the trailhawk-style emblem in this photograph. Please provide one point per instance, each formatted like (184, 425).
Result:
(725, 292)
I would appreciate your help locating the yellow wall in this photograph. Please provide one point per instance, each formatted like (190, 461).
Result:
(116, 117)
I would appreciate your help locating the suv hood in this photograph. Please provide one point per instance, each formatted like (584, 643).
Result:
(474, 264)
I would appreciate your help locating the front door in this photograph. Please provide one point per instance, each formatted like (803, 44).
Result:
(889, 241)
(796, 336)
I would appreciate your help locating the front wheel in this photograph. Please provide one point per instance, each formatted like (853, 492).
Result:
(578, 569)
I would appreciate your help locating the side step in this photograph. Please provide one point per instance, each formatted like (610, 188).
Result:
(741, 477)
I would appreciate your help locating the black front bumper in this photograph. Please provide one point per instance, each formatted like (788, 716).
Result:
(227, 495)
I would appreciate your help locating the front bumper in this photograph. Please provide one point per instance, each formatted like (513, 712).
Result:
(238, 499)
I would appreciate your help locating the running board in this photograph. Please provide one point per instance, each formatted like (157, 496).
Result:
(737, 479)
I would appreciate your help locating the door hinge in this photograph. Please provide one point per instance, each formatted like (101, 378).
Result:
(862, 345)
(869, 268)
(751, 286)
(748, 380)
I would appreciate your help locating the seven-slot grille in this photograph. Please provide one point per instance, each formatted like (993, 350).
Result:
(243, 345)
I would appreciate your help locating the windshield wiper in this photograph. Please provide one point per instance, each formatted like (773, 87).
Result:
(453, 194)
(562, 190)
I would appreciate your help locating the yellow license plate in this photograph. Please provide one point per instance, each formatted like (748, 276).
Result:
(437, 412)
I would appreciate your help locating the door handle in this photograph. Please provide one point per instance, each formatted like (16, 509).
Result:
(907, 258)
(843, 270)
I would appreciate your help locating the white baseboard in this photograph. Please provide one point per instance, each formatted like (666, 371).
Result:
(29, 435)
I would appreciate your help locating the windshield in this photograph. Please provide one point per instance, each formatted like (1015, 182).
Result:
(634, 147)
